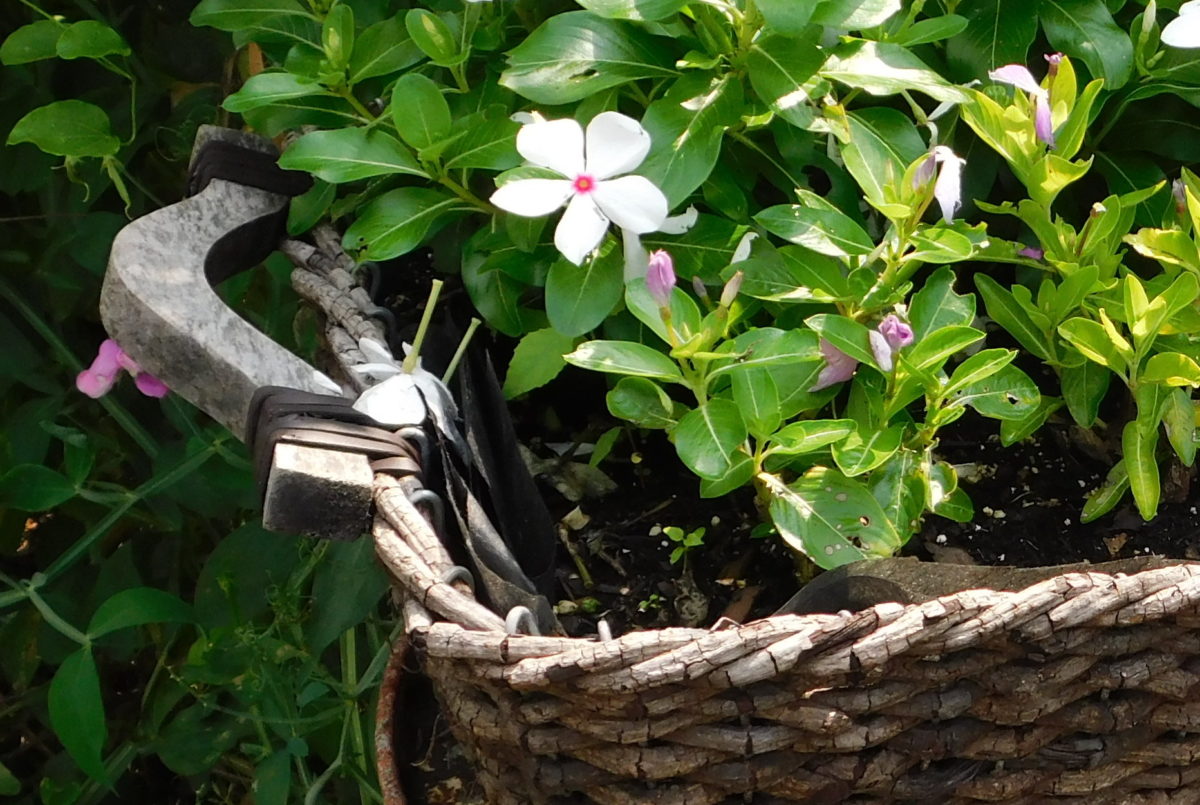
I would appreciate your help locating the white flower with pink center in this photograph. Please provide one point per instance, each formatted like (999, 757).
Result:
(595, 188)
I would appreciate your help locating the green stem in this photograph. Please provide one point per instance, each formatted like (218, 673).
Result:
(462, 347)
(114, 409)
(467, 196)
(52, 618)
(356, 105)
(152, 487)
(414, 355)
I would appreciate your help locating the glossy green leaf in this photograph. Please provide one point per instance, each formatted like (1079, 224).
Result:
(829, 232)
(90, 39)
(941, 244)
(1170, 246)
(1138, 444)
(10, 786)
(308, 208)
(1179, 418)
(236, 15)
(579, 298)
(489, 142)
(419, 112)
(1015, 430)
(1109, 494)
(861, 452)
(273, 779)
(830, 518)
(846, 334)
(1171, 369)
(399, 221)
(739, 474)
(34, 488)
(77, 711)
(899, 488)
(956, 506)
(686, 134)
(707, 436)
(853, 15)
(1095, 342)
(32, 42)
(786, 16)
(433, 36)
(937, 305)
(136, 607)
(347, 155)
(269, 88)
(998, 32)
(881, 68)
(757, 397)
(1083, 389)
(625, 358)
(1005, 311)
(933, 29)
(810, 435)
(794, 274)
(783, 72)
(935, 348)
(882, 144)
(336, 605)
(1085, 29)
(67, 129)
(636, 10)
(768, 348)
(1006, 394)
(383, 48)
(685, 313)
(536, 361)
(497, 294)
(642, 402)
(575, 55)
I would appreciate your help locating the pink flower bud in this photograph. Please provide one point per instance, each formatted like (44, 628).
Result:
(99, 378)
(730, 291)
(889, 338)
(699, 287)
(839, 367)
(1032, 252)
(660, 277)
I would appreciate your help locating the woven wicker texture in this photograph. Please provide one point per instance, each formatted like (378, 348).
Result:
(1080, 689)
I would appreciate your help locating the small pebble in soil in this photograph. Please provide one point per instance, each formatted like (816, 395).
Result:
(715, 521)
(655, 530)
(940, 539)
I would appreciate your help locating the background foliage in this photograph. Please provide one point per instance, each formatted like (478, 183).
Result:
(157, 645)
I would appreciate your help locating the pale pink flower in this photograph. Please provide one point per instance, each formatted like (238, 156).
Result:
(99, 378)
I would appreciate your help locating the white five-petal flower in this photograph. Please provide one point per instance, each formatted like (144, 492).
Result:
(595, 189)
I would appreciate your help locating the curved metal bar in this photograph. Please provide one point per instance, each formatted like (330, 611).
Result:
(158, 304)
(520, 620)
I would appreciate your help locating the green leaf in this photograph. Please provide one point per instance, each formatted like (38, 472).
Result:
(881, 68)
(625, 358)
(941, 243)
(90, 39)
(846, 334)
(685, 314)
(576, 55)
(336, 605)
(830, 518)
(496, 293)
(899, 488)
(399, 221)
(830, 232)
(686, 133)
(768, 348)
(489, 142)
(956, 506)
(1102, 500)
(635, 10)
(34, 488)
(786, 16)
(383, 48)
(1085, 29)
(882, 144)
(536, 361)
(319, 111)
(1095, 342)
(579, 298)
(10, 786)
(32, 42)
(757, 396)
(641, 402)
(273, 779)
(77, 711)
(1170, 246)
(794, 274)
(433, 36)
(740, 473)
(269, 88)
(707, 436)
(862, 452)
(1179, 418)
(308, 208)
(1083, 389)
(808, 436)
(347, 155)
(1171, 369)
(853, 15)
(703, 250)
(67, 129)
(936, 305)
(419, 112)
(1138, 443)
(1015, 430)
(136, 607)
(1006, 394)
(933, 29)
(933, 350)
(236, 15)
(998, 32)
(1004, 309)
(782, 70)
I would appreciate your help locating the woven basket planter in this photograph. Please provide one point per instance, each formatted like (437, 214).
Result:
(1081, 688)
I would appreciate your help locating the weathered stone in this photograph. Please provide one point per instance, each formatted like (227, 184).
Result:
(318, 492)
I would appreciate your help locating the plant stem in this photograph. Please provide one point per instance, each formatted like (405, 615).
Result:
(356, 105)
(462, 347)
(466, 195)
(414, 355)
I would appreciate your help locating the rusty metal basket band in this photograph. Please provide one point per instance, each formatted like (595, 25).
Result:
(1081, 688)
